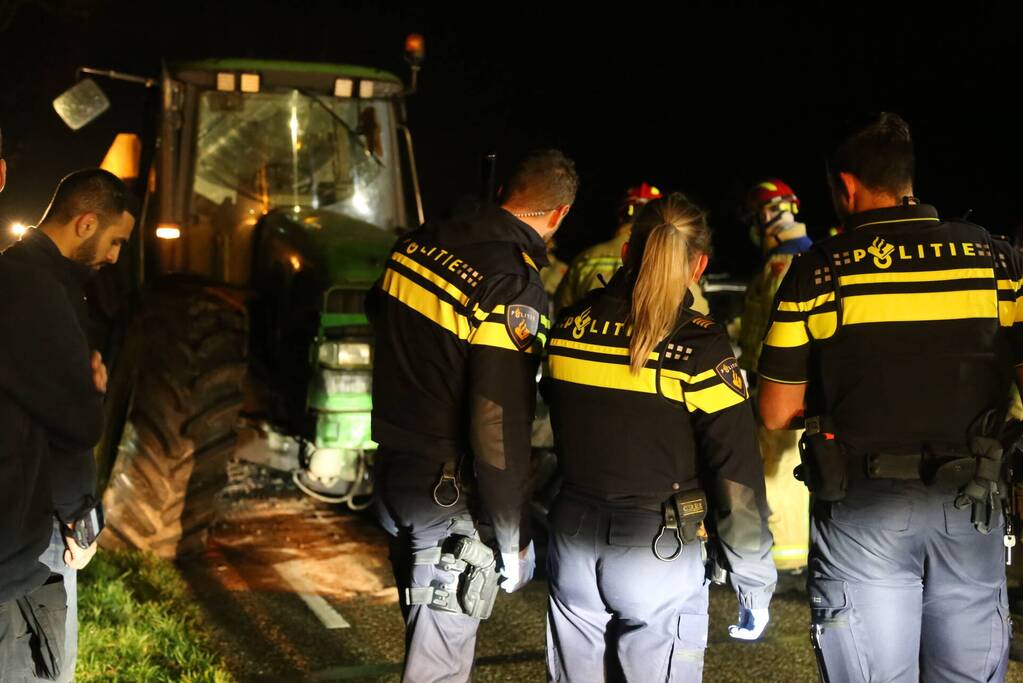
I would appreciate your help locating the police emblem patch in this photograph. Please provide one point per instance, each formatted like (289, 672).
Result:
(522, 322)
(728, 371)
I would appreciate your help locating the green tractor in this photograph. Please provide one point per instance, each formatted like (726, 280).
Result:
(271, 194)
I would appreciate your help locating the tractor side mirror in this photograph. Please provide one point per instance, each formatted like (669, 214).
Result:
(81, 104)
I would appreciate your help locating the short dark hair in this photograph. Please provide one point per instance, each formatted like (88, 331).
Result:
(544, 179)
(877, 149)
(91, 190)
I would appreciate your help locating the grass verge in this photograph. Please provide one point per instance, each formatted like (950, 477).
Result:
(138, 623)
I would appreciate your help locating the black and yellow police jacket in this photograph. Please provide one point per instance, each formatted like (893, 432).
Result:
(460, 320)
(630, 441)
(905, 329)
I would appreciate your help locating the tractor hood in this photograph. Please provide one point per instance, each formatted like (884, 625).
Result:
(338, 249)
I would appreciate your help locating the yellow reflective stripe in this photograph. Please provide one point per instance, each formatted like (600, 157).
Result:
(805, 306)
(897, 220)
(433, 277)
(594, 348)
(689, 379)
(1011, 285)
(479, 314)
(619, 351)
(609, 376)
(496, 334)
(545, 321)
(713, 399)
(780, 381)
(425, 302)
(1010, 313)
(917, 307)
(921, 276)
(787, 335)
(823, 325)
(790, 551)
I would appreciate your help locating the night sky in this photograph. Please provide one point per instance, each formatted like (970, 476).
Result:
(701, 98)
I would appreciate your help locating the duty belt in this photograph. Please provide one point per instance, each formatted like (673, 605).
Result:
(946, 470)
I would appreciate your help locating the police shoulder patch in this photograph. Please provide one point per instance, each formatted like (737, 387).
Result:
(522, 323)
(728, 371)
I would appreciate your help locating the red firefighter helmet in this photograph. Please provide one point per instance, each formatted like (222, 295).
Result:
(773, 191)
(636, 197)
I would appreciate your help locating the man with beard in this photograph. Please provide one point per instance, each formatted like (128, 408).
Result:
(88, 220)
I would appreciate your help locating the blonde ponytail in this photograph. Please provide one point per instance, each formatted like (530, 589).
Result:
(668, 237)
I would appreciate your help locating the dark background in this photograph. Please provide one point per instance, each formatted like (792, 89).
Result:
(702, 98)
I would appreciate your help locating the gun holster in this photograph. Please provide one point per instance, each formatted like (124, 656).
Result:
(824, 468)
(475, 589)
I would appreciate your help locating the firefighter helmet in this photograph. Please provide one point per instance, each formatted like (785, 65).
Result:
(775, 193)
(636, 197)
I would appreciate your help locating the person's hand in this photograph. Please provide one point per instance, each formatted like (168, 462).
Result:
(518, 568)
(99, 372)
(751, 623)
(75, 556)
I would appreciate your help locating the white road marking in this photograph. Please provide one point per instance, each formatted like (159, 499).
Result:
(328, 616)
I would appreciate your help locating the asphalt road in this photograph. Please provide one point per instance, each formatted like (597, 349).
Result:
(298, 591)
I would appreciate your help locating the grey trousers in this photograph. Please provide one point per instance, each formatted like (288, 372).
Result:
(615, 611)
(903, 588)
(54, 559)
(439, 646)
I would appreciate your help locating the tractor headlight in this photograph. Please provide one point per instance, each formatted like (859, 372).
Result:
(336, 354)
(347, 382)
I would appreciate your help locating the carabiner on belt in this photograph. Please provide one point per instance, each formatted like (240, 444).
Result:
(670, 522)
(447, 476)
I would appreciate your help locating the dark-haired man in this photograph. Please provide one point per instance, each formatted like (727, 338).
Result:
(87, 221)
(460, 316)
(899, 339)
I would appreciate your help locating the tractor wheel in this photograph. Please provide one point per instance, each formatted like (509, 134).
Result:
(180, 429)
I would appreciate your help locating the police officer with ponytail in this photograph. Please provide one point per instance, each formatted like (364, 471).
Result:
(657, 443)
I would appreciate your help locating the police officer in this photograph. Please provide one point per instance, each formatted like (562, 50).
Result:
(460, 317)
(594, 266)
(773, 207)
(898, 338)
(653, 428)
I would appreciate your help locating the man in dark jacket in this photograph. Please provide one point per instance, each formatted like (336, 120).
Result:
(84, 226)
(460, 317)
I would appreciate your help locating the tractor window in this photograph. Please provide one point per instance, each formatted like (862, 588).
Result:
(296, 152)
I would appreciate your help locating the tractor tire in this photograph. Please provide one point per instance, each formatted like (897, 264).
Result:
(180, 428)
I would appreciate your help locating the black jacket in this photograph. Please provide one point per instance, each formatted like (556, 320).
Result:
(74, 492)
(905, 328)
(46, 397)
(460, 316)
(685, 421)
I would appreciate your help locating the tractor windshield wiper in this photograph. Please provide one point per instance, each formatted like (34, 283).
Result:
(344, 124)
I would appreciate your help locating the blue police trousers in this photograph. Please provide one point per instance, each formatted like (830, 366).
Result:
(903, 588)
(615, 611)
(439, 646)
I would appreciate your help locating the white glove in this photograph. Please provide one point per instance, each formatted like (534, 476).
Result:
(751, 623)
(75, 556)
(518, 568)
